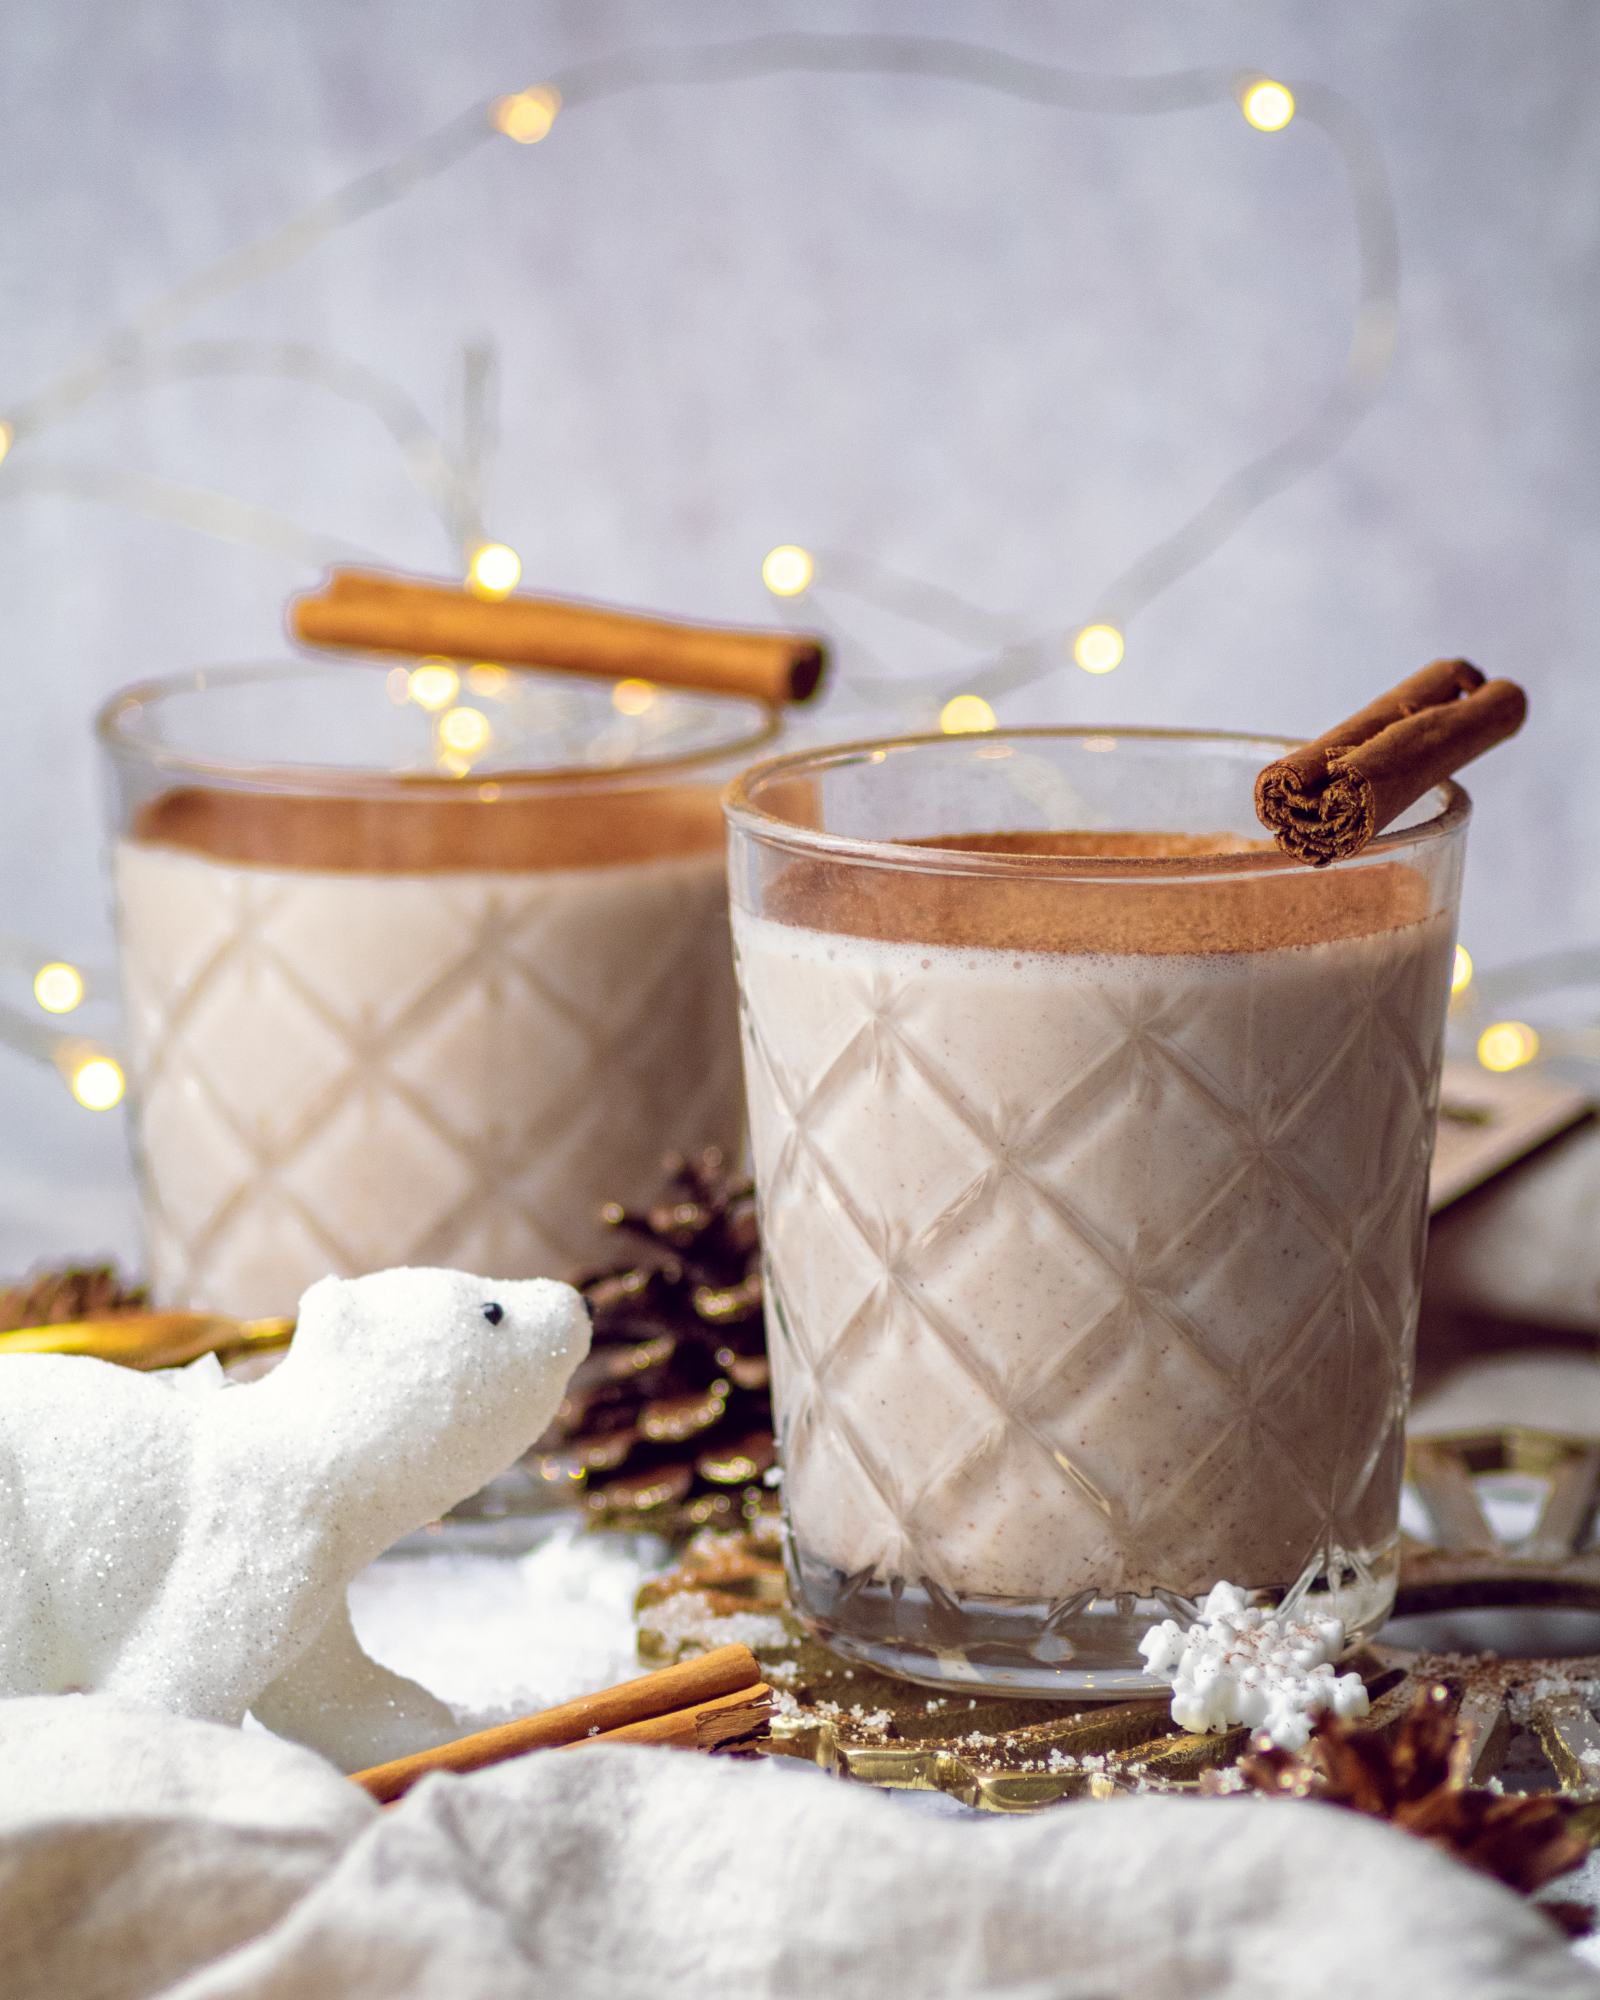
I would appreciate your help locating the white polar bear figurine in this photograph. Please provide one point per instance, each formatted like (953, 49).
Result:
(192, 1552)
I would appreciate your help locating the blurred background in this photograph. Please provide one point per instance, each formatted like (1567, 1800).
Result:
(984, 343)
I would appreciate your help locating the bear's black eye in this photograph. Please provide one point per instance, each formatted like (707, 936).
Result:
(494, 1314)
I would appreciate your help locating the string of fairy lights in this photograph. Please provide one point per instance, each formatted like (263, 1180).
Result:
(143, 351)
(1009, 653)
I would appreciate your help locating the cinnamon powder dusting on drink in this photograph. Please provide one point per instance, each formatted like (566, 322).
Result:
(1175, 894)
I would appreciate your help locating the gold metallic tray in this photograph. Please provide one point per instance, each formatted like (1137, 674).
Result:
(1018, 1756)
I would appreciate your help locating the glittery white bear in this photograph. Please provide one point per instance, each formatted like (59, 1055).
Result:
(192, 1551)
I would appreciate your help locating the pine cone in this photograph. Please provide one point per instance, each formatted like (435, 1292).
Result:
(1413, 1776)
(50, 1298)
(668, 1420)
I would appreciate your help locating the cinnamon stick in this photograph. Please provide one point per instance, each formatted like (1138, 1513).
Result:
(1326, 801)
(740, 1717)
(718, 1692)
(371, 612)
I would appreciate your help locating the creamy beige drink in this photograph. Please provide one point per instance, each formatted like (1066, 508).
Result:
(443, 1036)
(1093, 1215)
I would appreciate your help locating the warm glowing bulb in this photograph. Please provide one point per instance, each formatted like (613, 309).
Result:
(6, 435)
(464, 730)
(58, 988)
(97, 1084)
(433, 685)
(632, 697)
(1461, 971)
(1507, 1045)
(494, 570)
(787, 569)
(488, 679)
(1268, 106)
(1098, 648)
(966, 715)
(527, 115)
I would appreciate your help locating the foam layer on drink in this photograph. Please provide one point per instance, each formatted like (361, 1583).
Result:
(1094, 1213)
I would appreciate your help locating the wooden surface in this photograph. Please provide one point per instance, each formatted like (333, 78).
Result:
(1488, 1122)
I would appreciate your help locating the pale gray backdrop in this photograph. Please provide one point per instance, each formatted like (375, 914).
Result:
(994, 344)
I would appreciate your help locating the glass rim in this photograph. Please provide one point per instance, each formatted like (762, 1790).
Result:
(762, 720)
(749, 818)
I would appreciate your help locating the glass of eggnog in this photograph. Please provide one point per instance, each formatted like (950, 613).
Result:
(420, 966)
(1091, 1136)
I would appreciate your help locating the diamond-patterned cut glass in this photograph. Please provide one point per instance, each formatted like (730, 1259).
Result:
(1093, 1273)
(381, 1011)
(424, 1094)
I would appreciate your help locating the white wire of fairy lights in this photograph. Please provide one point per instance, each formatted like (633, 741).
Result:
(449, 480)
(143, 350)
(134, 354)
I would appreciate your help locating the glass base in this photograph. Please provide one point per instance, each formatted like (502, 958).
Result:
(1083, 1648)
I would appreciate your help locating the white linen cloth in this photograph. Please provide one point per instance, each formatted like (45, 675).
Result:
(143, 1855)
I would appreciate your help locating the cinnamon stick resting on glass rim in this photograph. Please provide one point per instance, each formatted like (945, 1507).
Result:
(369, 611)
(1326, 801)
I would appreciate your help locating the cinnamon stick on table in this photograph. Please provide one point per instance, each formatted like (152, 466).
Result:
(371, 612)
(712, 1702)
(1326, 801)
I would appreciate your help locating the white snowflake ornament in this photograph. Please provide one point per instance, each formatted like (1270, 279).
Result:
(1241, 1663)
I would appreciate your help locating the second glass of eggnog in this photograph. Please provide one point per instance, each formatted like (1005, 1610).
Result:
(420, 966)
(1091, 1136)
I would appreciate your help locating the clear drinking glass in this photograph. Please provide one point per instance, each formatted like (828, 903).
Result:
(1091, 1136)
(419, 967)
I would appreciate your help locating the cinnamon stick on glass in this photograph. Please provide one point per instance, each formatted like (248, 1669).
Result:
(371, 612)
(716, 1701)
(1325, 802)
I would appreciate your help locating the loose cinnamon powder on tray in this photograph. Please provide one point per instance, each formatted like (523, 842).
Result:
(1154, 913)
